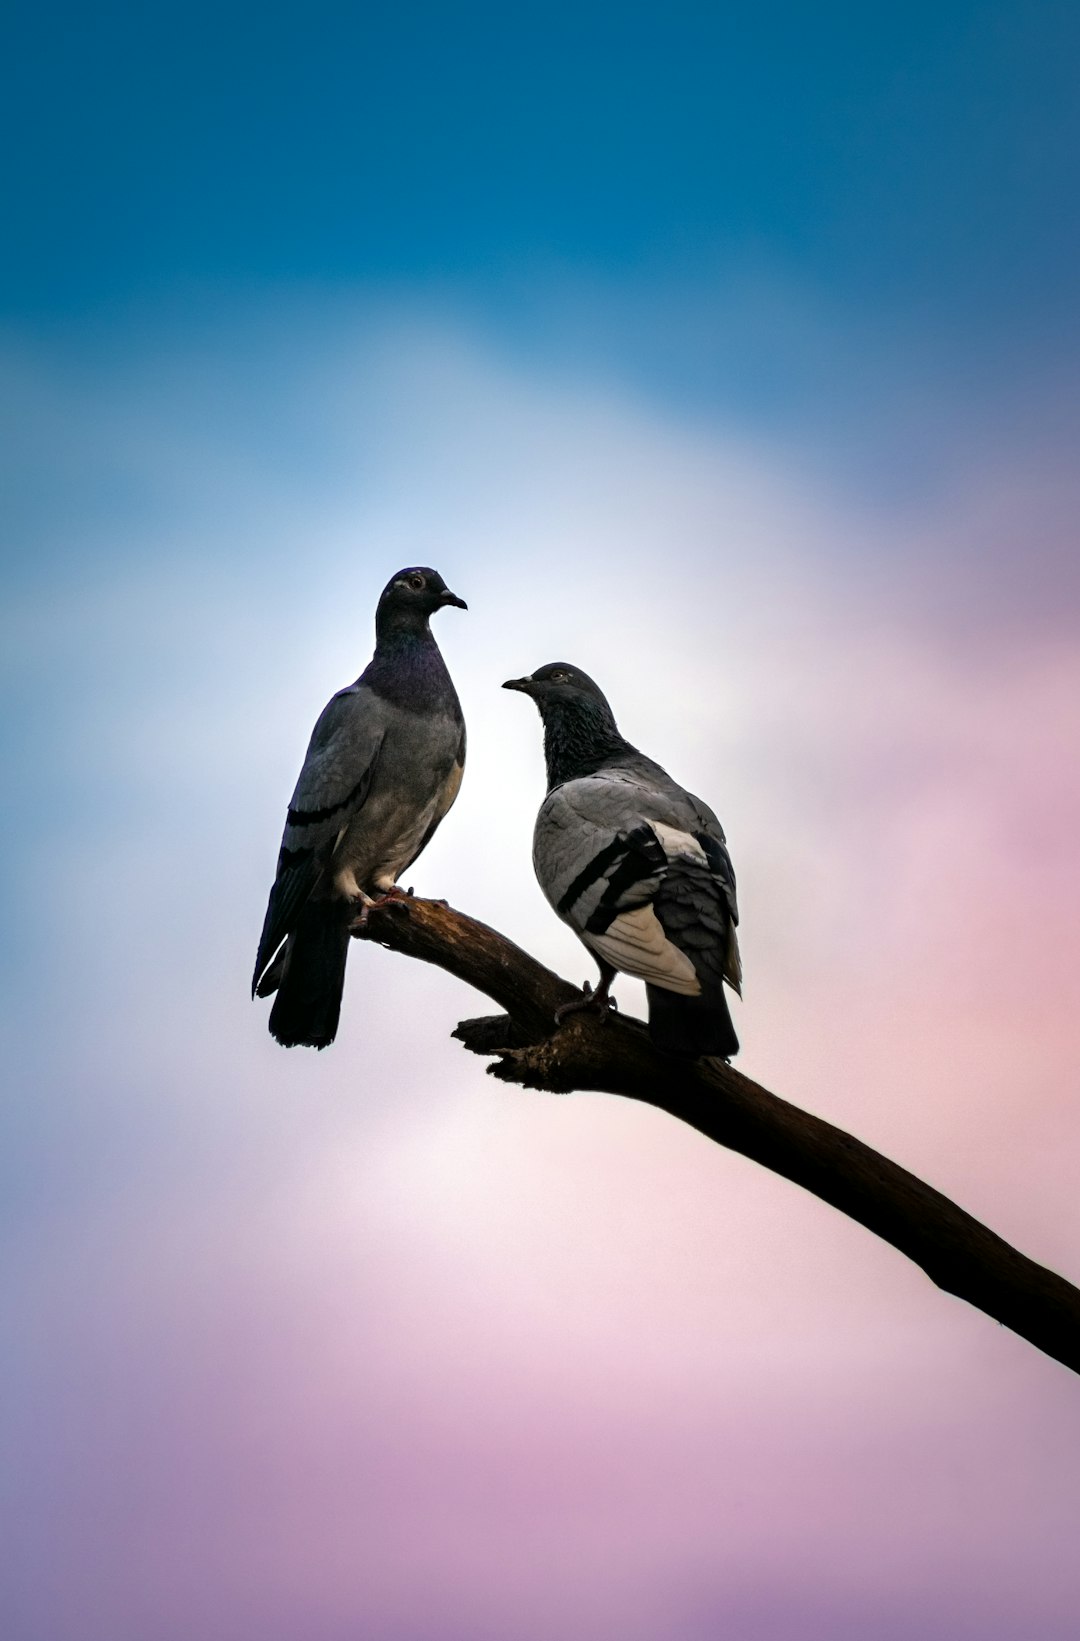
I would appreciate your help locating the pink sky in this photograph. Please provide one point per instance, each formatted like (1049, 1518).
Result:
(364, 1345)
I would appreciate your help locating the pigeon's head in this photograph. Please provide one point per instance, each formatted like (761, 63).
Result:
(411, 596)
(580, 734)
(559, 685)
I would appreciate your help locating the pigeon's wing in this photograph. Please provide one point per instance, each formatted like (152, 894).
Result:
(332, 786)
(707, 832)
(665, 800)
(614, 850)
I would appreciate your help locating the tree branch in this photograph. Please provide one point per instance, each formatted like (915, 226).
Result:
(612, 1054)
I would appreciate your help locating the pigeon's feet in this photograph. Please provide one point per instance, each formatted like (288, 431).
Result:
(366, 904)
(363, 910)
(590, 1002)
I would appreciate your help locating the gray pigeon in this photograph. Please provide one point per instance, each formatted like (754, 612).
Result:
(637, 866)
(382, 768)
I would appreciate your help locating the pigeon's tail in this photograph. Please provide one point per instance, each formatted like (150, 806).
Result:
(691, 1026)
(312, 976)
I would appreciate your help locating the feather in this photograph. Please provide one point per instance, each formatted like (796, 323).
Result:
(636, 865)
(382, 768)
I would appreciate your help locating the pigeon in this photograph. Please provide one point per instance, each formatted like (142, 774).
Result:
(637, 866)
(383, 766)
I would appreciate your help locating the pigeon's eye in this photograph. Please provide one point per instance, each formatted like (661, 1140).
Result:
(416, 582)
(560, 677)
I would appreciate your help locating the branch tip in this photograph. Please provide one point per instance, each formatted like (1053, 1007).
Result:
(612, 1054)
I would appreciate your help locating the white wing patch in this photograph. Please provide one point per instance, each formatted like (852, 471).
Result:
(635, 943)
(676, 843)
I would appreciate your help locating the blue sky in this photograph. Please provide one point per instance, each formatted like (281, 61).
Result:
(838, 223)
(917, 161)
(731, 353)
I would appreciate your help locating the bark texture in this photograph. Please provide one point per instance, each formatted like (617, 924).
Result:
(612, 1054)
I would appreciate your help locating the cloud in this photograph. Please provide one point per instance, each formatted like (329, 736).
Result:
(316, 1342)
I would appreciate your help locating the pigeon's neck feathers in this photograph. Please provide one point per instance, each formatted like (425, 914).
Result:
(580, 738)
(407, 668)
(397, 621)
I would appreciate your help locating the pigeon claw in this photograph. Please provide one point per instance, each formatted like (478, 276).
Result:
(360, 921)
(368, 903)
(590, 1002)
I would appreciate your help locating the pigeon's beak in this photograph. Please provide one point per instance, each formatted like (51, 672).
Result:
(523, 684)
(447, 597)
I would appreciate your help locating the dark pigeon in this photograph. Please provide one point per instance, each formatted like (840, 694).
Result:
(637, 866)
(382, 768)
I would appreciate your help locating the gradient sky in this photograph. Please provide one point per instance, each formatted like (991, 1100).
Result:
(733, 356)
